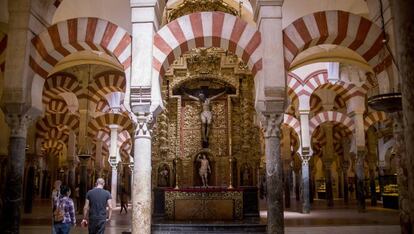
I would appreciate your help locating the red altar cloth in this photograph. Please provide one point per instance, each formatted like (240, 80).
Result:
(201, 189)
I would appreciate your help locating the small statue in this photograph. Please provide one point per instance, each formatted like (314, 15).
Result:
(206, 115)
(245, 175)
(163, 180)
(204, 168)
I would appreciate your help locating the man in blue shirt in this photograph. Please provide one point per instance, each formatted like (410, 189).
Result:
(97, 199)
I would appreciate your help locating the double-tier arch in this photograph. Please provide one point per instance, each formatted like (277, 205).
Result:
(330, 116)
(72, 36)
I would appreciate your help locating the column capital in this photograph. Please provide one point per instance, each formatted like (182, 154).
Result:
(305, 159)
(270, 123)
(18, 124)
(114, 166)
(145, 123)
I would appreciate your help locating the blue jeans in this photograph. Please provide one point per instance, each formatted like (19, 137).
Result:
(96, 226)
(62, 228)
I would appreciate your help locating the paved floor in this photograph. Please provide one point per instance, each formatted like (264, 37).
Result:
(341, 219)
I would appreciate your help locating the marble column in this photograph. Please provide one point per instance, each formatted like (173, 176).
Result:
(327, 167)
(307, 196)
(286, 159)
(12, 197)
(72, 160)
(114, 184)
(305, 185)
(141, 196)
(404, 33)
(372, 144)
(360, 179)
(274, 173)
(356, 109)
(99, 163)
(402, 173)
(84, 159)
(327, 159)
(340, 182)
(345, 167)
(113, 161)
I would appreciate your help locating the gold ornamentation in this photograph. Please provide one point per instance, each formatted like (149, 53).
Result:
(172, 196)
(191, 6)
(203, 61)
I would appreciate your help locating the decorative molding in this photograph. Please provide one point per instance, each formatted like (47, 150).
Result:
(192, 6)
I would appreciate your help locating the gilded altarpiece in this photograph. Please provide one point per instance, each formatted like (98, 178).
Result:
(234, 140)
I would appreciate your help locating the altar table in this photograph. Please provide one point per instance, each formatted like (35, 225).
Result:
(204, 204)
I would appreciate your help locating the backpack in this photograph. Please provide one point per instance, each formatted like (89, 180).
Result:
(59, 212)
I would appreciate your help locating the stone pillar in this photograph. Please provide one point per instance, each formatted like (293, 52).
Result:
(372, 184)
(305, 154)
(12, 197)
(274, 173)
(404, 33)
(345, 167)
(113, 161)
(114, 184)
(327, 166)
(84, 159)
(340, 182)
(99, 163)
(141, 196)
(356, 109)
(72, 160)
(286, 158)
(327, 159)
(305, 184)
(360, 177)
(372, 143)
(402, 173)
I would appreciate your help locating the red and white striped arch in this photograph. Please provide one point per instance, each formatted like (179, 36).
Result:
(57, 120)
(335, 27)
(319, 79)
(52, 147)
(292, 122)
(60, 83)
(57, 106)
(55, 134)
(207, 29)
(67, 37)
(105, 83)
(3, 46)
(374, 117)
(103, 121)
(330, 116)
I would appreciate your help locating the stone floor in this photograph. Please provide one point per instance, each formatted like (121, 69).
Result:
(341, 219)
